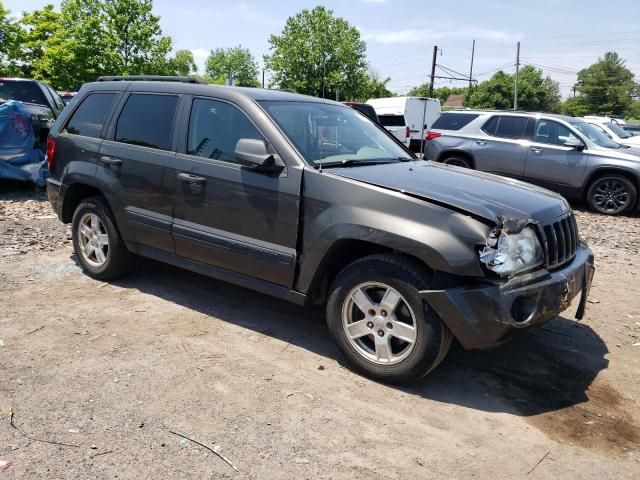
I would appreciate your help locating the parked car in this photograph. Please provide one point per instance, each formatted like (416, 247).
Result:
(564, 154)
(307, 200)
(38, 99)
(365, 109)
(407, 118)
(67, 96)
(615, 131)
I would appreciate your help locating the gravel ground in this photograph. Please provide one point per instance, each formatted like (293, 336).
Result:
(98, 375)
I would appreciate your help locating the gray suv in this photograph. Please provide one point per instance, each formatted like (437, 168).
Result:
(565, 154)
(309, 200)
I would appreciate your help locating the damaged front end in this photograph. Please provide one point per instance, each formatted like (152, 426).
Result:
(539, 270)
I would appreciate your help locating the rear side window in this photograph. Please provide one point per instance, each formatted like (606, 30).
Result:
(89, 117)
(453, 121)
(506, 126)
(21, 90)
(147, 120)
(215, 128)
(391, 120)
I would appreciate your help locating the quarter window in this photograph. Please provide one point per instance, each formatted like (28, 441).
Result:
(147, 120)
(506, 126)
(90, 116)
(548, 131)
(215, 128)
(453, 121)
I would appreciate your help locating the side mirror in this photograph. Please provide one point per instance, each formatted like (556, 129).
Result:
(253, 153)
(575, 144)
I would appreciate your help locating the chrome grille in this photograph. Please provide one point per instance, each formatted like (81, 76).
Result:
(560, 241)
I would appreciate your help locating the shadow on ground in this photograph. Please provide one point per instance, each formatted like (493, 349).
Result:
(542, 370)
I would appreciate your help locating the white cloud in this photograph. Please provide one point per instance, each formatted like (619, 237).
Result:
(408, 35)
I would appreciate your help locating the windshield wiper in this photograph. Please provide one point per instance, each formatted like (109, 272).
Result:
(353, 162)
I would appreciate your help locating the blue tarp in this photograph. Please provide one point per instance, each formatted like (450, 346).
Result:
(20, 159)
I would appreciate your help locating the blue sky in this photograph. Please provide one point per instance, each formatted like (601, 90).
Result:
(561, 37)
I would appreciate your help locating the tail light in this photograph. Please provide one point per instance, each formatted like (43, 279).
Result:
(408, 132)
(51, 153)
(431, 136)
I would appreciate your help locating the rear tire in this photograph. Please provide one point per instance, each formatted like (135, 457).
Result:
(457, 161)
(612, 195)
(393, 344)
(97, 241)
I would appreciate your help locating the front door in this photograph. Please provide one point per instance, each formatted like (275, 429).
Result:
(227, 215)
(501, 147)
(550, 163)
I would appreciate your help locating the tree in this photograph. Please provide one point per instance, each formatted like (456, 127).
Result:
(375, 87)
(135, 41)
(441, 93)
(9, 44)
(607, 87)
(238, 61)
(317, 53)
(182, 63)
(36, 29)
(535, 92)
(109, 37)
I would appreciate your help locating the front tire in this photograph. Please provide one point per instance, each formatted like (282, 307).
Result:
(97, 242)
(612, 195)
(380, 323)
(457, 161)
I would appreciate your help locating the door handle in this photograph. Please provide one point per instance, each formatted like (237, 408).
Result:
(481, 142)
(106, 160)
(188, 178)
(535, 149)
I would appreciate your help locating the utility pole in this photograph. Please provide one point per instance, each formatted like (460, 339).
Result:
(433, 70)
(263, 78)
(473, 50)
(515, 91)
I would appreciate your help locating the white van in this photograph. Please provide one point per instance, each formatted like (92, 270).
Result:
(403, 116)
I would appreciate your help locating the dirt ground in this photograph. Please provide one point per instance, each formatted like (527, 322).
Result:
(99, 375)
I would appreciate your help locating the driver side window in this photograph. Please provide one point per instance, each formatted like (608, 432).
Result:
(215, 128)
(553, 133)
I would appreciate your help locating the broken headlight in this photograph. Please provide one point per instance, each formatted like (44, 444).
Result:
(511, 253)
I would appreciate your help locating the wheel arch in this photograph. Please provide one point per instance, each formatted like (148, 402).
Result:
(74, 194)
(601, 172)
(456, 152)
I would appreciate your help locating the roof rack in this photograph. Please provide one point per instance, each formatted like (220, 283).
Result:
(149, 78)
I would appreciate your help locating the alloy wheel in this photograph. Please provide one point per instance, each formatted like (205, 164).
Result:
(611, 196)
(93, 240)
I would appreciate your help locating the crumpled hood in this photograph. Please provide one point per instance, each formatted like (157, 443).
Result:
(510, 203)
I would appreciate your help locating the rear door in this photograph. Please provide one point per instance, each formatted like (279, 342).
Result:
(227, 215)
(501, 146)
(134, 167)
(552, 164)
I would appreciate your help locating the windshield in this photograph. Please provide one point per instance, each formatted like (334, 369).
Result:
(328, 134)
(595, 134)
(22, 91)
(618, 130)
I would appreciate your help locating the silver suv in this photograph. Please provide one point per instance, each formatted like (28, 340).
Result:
(561, 153)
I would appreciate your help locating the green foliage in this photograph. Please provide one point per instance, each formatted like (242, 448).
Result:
(374, 87)
(182, 63)
(535, 92)
(135, 41)
(606, 88)
(236, 60)
(9, 43)
(441, 93)
(317, 53)
(36, 29)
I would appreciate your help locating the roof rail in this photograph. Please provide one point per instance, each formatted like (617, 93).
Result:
(149, 78)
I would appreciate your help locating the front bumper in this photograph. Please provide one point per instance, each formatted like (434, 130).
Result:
(487, 314)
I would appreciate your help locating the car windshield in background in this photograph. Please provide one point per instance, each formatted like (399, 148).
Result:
(618, 130)
(595, 134)
(27, 92)
(333, 135)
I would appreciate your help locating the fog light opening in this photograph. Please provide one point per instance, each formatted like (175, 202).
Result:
(523, 309)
